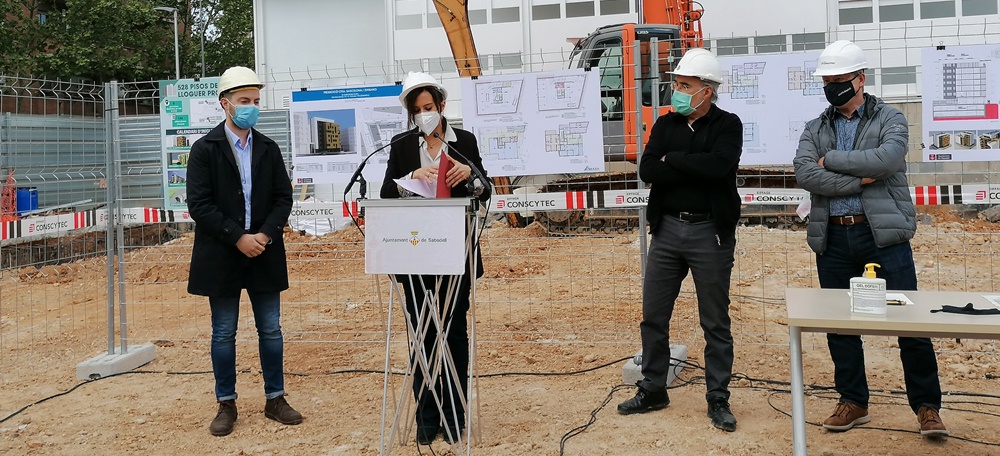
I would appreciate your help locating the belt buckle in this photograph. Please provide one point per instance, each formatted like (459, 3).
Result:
(849, 219)
(684, 216)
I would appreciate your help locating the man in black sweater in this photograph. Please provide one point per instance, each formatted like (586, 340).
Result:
(691, 161)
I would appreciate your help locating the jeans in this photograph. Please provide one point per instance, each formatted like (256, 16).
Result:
(677, 247)
(225, 319)
(848, 248)
(448, 388)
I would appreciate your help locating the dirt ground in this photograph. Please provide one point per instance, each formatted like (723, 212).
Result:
(157, 412)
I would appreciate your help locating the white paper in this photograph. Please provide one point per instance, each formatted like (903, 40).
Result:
(418, 186)
(993, 299)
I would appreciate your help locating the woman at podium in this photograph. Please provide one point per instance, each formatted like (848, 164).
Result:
(443, 157)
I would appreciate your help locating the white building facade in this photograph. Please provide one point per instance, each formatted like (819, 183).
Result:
(311, 43)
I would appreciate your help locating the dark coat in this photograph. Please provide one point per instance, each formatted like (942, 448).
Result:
(404, 158)
(215, 201)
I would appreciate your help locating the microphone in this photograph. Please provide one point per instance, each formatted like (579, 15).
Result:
(357, 173)
(473, 188)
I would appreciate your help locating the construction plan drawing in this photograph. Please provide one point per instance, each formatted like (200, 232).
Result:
(536, 123)
(774, 95)
(333, 129)
(961, 103)
(500, 97)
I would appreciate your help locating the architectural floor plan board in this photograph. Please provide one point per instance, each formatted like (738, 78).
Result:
(334, 129)
(536, 123)
(772, 94)
(961, 102)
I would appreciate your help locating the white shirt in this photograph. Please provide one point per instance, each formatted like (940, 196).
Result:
(425, 154)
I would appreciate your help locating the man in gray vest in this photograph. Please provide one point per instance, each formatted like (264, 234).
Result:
(852, 160)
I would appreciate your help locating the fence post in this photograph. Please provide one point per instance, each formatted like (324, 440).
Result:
(116, 170)
(639, 130)
(110, 107)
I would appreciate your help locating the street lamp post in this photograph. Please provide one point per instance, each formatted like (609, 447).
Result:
(177, 49)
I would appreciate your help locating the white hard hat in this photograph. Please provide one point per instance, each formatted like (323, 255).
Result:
(841, 57)
(700, 63)
(416, 80)
(238, 77)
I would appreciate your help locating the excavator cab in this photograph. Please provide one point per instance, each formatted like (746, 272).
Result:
(611, 51)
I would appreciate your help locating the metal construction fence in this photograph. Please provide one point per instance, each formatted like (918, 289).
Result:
(74, 280)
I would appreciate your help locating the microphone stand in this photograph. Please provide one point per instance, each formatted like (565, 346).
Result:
(360, 179)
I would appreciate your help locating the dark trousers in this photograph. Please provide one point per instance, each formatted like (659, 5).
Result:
(447, 387)
(848, 248)
(676, 248)
(225, 318)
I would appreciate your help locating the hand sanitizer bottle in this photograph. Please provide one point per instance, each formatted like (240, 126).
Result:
(868, 293)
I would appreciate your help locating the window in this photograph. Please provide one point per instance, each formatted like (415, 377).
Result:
(607, 55)
(899, 75)
(850, 16)
(769, 43)
(979, 7)
(507, 61)
(931, 10)
(893, 13)
(43, 17)
(501, 15)
(808, 41)
(409, 21)
(579, 9)
(543, 12)
(477, 17)
(609, 7)
(732, 46)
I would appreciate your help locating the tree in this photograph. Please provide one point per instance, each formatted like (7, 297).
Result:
(125, 40)
(24, 32)
(228, 28)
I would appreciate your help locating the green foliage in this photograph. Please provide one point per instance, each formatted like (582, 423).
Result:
(125, 40)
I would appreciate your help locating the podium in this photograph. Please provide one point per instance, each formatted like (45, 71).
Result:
(428, 248)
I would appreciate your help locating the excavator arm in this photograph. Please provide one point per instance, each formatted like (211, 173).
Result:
(454, 16)
(683, 13)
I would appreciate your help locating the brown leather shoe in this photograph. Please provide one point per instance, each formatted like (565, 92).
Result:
(930, 423)
(278, 410)
(846, 416)
(224, 419)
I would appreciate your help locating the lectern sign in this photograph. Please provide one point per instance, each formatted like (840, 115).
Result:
(414, 239)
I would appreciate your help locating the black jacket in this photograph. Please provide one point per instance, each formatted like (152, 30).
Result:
(404, 158)
(694, 167)
(215, 201)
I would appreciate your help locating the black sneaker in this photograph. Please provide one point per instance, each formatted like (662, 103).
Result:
(644, 401)
(722, 417)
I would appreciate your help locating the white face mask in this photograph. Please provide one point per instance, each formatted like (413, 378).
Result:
(427, 121)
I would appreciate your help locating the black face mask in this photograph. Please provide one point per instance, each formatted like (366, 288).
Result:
(839, 93)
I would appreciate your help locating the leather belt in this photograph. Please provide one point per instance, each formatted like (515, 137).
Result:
(691, 217)
(847, 219)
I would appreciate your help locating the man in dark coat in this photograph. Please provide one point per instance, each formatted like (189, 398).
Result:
(240, 196)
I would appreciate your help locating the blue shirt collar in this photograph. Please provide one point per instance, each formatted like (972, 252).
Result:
(236, 138)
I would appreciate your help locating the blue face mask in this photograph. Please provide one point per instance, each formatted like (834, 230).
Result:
(246, 116)
(682, 102)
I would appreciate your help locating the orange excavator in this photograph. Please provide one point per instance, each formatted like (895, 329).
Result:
(674, 24)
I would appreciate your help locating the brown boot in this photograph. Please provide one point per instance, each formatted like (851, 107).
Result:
(930, 423)
(278, 410)
(846, 416)
(224, 419)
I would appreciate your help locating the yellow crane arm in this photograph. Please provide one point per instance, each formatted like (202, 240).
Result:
(454, 16)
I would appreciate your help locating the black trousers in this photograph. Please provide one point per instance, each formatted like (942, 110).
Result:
(449, 388)
(676, 248)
